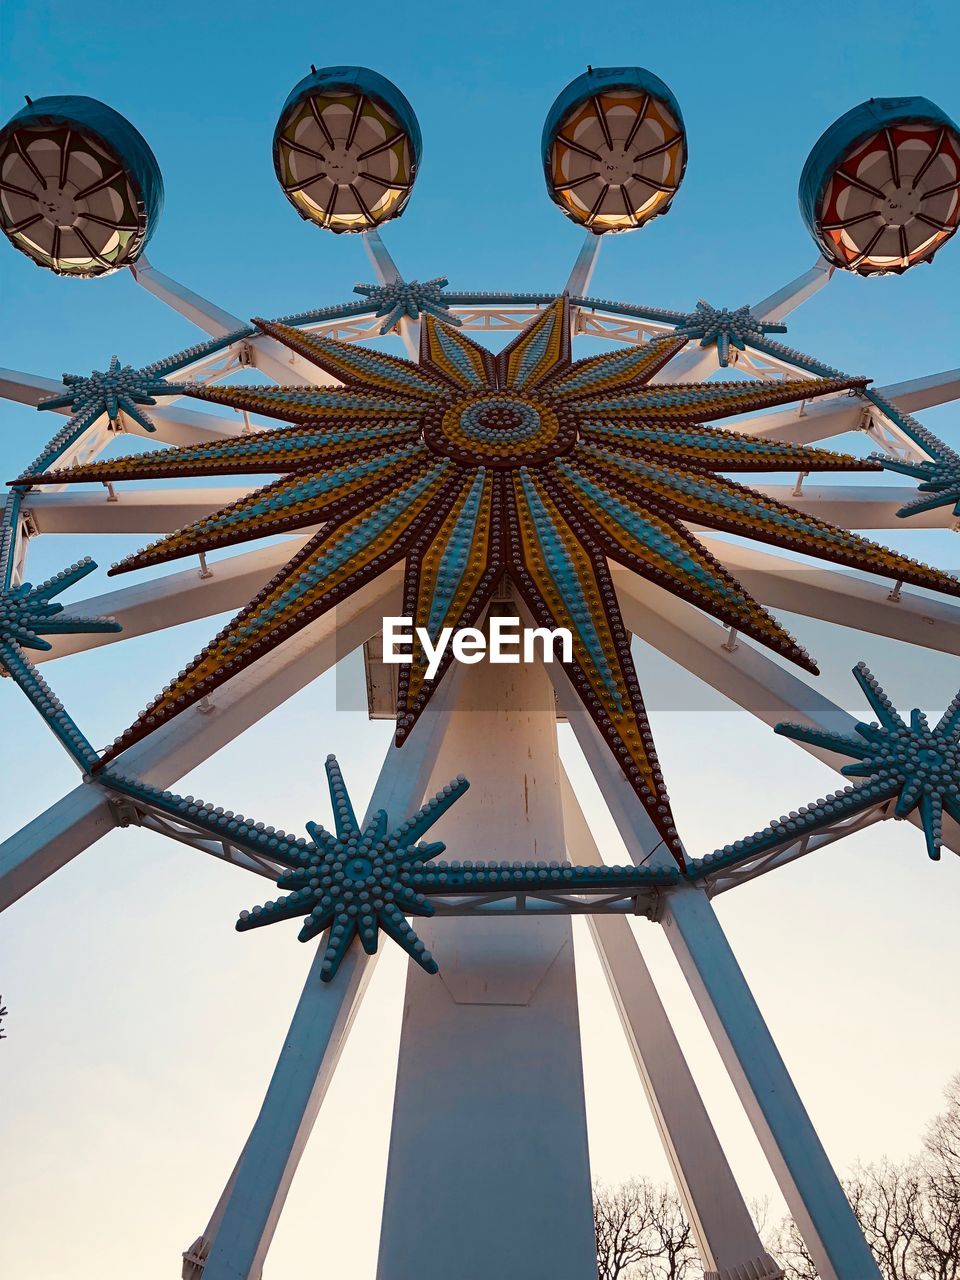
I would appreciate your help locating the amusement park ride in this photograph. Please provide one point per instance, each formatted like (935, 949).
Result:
(448, 485)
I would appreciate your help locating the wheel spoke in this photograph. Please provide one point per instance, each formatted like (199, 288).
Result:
(892, 154)
(99, 185)
(381, 146)
(628, 207)
(858, 182)
(602, 121)
(864, 253)
(592, 215)
(304, 151)
(97, 257)
(305, 182)
(933, 222)
(576, 146)
(362, 203)
(109, 222)
(640, 117)
(849, 222)
(321, 125)
(649, 182)
(65, 159)
(328, 217)
(20, 191)
(23, 224)
(355, 121)
(387, 183)
(934, 152)
(658, 150)
(939, 191)
(577, 182)
(25, 157)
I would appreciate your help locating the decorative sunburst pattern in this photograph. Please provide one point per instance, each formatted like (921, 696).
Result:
(471, 466)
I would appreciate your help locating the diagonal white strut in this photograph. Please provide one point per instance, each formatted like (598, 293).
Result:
(726, 1236)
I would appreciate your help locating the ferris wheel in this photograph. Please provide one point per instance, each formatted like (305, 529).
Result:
(456, 486)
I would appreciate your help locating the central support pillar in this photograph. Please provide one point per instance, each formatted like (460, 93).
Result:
(489, 1174)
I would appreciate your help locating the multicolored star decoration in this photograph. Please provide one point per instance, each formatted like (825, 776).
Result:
(917, 764)
(470, 466)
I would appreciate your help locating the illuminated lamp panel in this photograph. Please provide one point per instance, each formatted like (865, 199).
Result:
(615, 152)
(79, 188)
(888, 199)
(345, 159)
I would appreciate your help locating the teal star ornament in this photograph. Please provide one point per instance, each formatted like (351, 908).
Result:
(918, 764)
(358, 882)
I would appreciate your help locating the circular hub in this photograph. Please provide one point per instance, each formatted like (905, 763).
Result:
(59, 209)
(901, 205)
(357, 869)
(499, 429)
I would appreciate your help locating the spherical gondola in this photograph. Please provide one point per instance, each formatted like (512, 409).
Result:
(614, 148)
(880, 190)
(346, 149)
(80, 189)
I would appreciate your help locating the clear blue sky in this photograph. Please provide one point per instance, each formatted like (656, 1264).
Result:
(142, 1030)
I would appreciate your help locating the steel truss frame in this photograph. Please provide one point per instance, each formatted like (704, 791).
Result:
(728, 1242)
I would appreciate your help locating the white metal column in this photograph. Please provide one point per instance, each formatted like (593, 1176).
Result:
(489, 1173)
(810, 1187)
(242, 1227)
(727, 1239)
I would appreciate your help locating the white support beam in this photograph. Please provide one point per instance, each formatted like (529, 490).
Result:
(808, 1183)
(266, 354)
(71, 825)
(697, 363)
(804, 1174)
(780, 304)
(146, 511)
(923, 393)
(843, 597)
(168, 600)
(820, 419)
(581, 273)
(241, 1230)
(173, 425)
(489, 1109)
(387, 272)
(29, 388)
(790, 1143)
(726, 1236)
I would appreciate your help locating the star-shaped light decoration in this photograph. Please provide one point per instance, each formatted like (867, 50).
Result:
(120, 388)
(27, 615)
(408, 298)
(722, 328)
(909, 760)
(356, 882)
(939, 480)
(472, 467)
